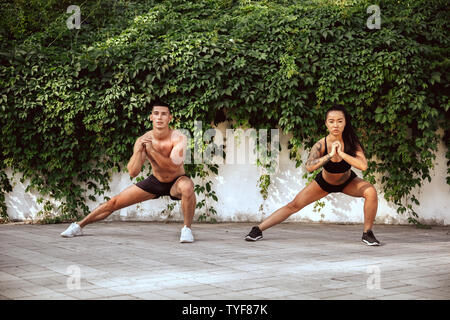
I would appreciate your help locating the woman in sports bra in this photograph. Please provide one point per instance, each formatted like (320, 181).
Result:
(335, 154)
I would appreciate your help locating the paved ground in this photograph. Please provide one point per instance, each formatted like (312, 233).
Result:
(142, 260)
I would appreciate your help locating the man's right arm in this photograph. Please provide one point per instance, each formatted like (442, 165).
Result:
(137, 159)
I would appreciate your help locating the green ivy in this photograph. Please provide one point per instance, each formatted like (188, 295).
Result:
(73, 101)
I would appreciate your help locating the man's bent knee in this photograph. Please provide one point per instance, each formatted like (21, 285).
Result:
(187, 190)
(112, 204)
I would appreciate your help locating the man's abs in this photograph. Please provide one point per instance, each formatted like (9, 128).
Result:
(164, 175)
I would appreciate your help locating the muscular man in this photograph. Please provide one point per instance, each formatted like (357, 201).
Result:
(165, 149)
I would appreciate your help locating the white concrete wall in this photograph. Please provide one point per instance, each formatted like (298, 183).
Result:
(240, 199)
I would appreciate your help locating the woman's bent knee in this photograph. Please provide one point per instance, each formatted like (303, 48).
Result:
(370, 193)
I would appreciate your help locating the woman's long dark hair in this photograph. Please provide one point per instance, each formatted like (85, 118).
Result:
(351, 141)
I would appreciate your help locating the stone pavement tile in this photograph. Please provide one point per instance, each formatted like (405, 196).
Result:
(238, 285)
(14, 284)
(118, 255)
(424, 282)
(259, 292)
(176, 283)
(366, 292)
(51, 297)
(152, 284)
(39, 274)
(413, 289)
(237, 296)
(341, 284)
(102, 292)
(435, 261)
(5, 276)
(11, 262)
(229, 296)
(206, 293)
(59, 267)
(191, 288)
(326, 294)
(275, 295)
(348, 296)
(215, 278)
(131, 289)
(277, 282)
(174, 294)
(33, 268)
(298, 296)
(301, 287)
(104, 283)
(400, 296)
(120, 297)
(16, 271)
(446, 287)
(48, 281)
(432, 294)
(15, 293)
(149, 296)
(38, 290)
(82, 294)
(388, 276)
(67, 288)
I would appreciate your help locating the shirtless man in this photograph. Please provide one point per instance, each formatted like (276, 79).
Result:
(165, 149)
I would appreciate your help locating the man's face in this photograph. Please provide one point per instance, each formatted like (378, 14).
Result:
(160, 117)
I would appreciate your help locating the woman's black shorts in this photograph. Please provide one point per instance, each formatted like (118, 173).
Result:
(331, 187)
(158, 188)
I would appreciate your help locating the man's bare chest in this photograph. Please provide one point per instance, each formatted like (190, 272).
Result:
(162, 147)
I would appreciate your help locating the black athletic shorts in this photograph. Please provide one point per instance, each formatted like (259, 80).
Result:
(331, 187)
(156, 187)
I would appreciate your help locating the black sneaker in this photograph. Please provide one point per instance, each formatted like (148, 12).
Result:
(369, 238)
(254, 235)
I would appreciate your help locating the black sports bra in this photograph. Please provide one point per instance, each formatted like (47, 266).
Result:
(335, 167)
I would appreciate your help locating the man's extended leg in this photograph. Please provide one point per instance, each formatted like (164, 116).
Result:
(127, 197)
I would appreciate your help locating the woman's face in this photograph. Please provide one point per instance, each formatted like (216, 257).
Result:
(335, 122)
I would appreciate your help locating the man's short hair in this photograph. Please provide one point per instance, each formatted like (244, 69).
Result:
(159, 103)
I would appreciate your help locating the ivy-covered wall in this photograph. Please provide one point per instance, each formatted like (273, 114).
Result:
(74, 100)
(240, 198)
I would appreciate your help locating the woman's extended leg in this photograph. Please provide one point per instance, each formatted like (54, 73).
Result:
(309, 194)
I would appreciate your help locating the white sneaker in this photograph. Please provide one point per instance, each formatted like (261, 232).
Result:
(73, 230)
(186, 235)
